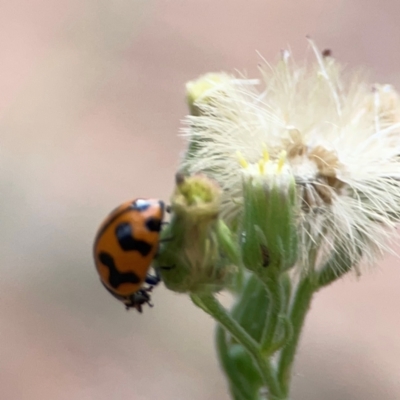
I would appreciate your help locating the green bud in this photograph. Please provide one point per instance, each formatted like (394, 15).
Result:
(197, 253)
(269, 232)
(198, 91)
(201, 94)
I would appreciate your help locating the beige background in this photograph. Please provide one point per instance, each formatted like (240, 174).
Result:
(91, 97)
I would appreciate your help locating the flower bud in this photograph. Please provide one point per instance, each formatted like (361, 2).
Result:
(198, 91)
(269, 233)
(197, 250)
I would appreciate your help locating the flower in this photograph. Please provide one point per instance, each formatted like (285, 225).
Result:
(341, 137)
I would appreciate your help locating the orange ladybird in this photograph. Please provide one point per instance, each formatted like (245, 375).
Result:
(124, 248)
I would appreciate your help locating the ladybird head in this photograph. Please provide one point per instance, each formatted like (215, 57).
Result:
(137, 300)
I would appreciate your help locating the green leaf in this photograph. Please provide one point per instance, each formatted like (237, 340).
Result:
(251, 308)
(243, 376)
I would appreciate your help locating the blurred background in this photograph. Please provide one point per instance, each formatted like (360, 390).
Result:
(91, 97)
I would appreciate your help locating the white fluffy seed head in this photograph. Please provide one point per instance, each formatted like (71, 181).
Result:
(341, 137)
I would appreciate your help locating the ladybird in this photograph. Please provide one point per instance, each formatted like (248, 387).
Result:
(124, 248)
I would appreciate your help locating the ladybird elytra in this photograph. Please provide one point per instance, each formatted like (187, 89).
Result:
(124, 248)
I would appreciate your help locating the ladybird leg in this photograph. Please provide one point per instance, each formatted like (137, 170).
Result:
(137, 300)
(138, 307)
(143, 297)
(150, 304)
(168, 209)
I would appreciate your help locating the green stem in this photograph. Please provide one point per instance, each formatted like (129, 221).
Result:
(275, 305)
(285, 336)
(279, 289)
(300, 306)
(237, 386)
(212, 306)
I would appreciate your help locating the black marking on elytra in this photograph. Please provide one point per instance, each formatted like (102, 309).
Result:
(153, 224)
(127, 241)
(112, 219)
(137, 204)
(117, 278)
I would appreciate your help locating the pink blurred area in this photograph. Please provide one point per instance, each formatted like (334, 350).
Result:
(91, 97)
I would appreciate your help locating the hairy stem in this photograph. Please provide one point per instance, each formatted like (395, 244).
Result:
(300, 306)
(212, 306)
(237, 385)
(278, 300)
